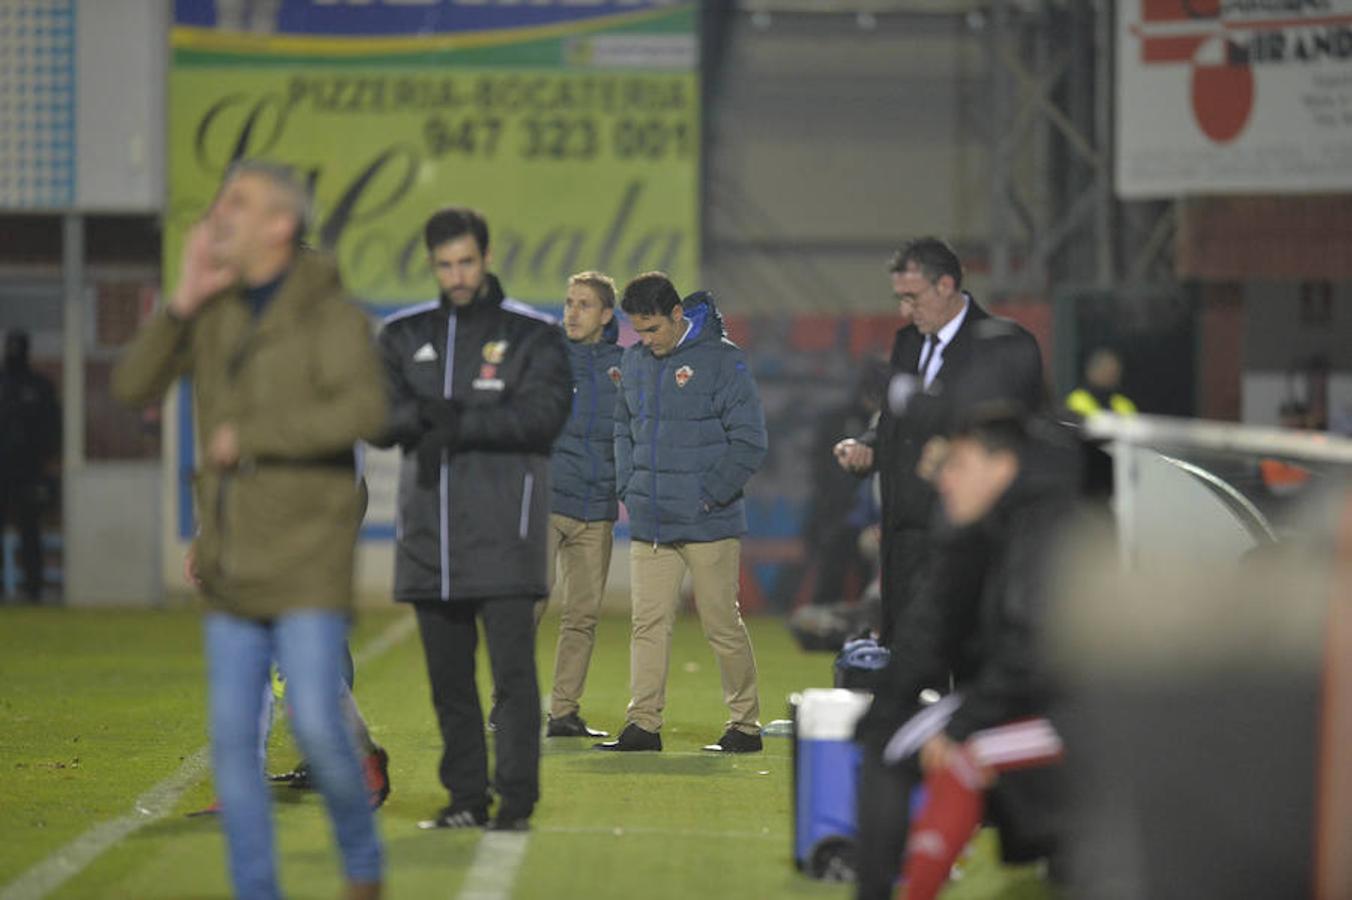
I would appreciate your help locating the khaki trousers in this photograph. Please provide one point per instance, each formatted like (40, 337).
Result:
(656, 572)
(582, 551)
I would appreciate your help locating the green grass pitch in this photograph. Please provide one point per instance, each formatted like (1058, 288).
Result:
(97, 707)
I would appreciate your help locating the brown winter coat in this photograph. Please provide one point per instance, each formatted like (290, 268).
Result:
(301, 385)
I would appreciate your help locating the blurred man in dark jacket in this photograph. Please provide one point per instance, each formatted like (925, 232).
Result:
(1009, 484)
(30, 426)
(689, 433)
(582, 517)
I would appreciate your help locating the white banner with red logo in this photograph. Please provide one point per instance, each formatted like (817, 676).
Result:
(1233, 96)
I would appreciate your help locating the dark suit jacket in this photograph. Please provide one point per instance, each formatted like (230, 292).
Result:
(989, 359)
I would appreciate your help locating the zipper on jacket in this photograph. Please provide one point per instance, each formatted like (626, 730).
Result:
(527, 485)
(587, 441)
(443, 526)
(657, 424)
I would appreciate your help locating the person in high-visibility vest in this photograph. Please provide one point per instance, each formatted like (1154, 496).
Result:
(1103, 376)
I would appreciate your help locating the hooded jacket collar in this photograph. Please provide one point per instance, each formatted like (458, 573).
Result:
(706, 322)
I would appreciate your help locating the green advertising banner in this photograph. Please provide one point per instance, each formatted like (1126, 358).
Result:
(574, 128)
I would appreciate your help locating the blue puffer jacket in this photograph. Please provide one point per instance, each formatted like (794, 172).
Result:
(689, 432)
(582, 466)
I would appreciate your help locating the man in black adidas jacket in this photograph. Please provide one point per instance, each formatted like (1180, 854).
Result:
(480, 386)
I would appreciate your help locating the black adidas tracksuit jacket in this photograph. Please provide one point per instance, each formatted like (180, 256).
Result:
(480, 527)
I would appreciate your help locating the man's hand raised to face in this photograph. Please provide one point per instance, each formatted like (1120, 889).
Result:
(202, 274)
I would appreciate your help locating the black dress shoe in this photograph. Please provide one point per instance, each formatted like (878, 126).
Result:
(633, 738)
(734, 741)
(571, 725)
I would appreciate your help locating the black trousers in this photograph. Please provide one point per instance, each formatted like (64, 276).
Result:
(449, 638)
(19, 503)
(883, 809)
(904, 555)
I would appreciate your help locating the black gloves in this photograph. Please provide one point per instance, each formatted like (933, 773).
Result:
(437, 413)
(440, 420)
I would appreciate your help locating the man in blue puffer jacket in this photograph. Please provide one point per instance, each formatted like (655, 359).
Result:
(582, 472)
(689, 432)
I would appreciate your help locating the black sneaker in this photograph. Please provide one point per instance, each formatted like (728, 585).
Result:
(633, 738)
(734, 741)
(571, 725)
(457, 817)
(298, 778)
(503, 822)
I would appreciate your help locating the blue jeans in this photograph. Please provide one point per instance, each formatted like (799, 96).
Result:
(309, 647)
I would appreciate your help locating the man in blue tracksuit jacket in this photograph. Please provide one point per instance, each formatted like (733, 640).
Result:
(689, 432)
(582, 471)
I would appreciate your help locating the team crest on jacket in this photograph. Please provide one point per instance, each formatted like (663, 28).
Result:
(614, 373)
(684, 374)
(495, 352)
(488, 379)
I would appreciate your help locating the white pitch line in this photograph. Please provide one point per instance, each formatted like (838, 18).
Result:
(153, 805)
(72, 859)
(394, 634)
(499, 854)
(497, 859)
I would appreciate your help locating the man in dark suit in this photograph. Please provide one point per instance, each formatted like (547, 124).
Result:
(952, 355)
(934, 362)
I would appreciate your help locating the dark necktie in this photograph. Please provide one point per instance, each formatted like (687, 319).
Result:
(926, 355)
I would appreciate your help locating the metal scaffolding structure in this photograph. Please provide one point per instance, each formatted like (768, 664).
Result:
(1054, 221)
(1054, 218)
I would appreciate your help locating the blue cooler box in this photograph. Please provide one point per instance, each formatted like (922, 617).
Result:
(825, 774)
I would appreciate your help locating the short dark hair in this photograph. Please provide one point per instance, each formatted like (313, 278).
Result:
(932, 257)
(997, 426)
(454, 222)
(650, 294)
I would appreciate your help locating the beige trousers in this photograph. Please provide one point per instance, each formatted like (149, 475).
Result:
(656, 590)
(582, 553)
